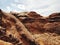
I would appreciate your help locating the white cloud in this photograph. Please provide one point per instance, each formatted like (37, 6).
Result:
(20, 6)
(8, 8)
(44, 7)
(35, 4)
(16, 0)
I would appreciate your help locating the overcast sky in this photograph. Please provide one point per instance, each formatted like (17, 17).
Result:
(43, 7)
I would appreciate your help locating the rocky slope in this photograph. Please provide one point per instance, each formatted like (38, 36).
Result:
(29, 28)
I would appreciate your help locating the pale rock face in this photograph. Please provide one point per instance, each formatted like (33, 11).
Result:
(5, 43)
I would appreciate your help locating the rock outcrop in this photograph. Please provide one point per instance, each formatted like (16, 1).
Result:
(29, 28)
(55, 17)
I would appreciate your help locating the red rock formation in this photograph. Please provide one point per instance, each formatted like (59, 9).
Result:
(34, 14)
(30, 28)
(52, 27)
(54, 15)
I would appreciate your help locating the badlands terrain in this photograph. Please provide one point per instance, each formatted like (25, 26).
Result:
(29, 28)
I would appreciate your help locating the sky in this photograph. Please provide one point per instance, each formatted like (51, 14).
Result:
(43, 7)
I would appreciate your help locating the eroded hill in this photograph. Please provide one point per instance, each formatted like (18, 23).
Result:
(29, 28)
